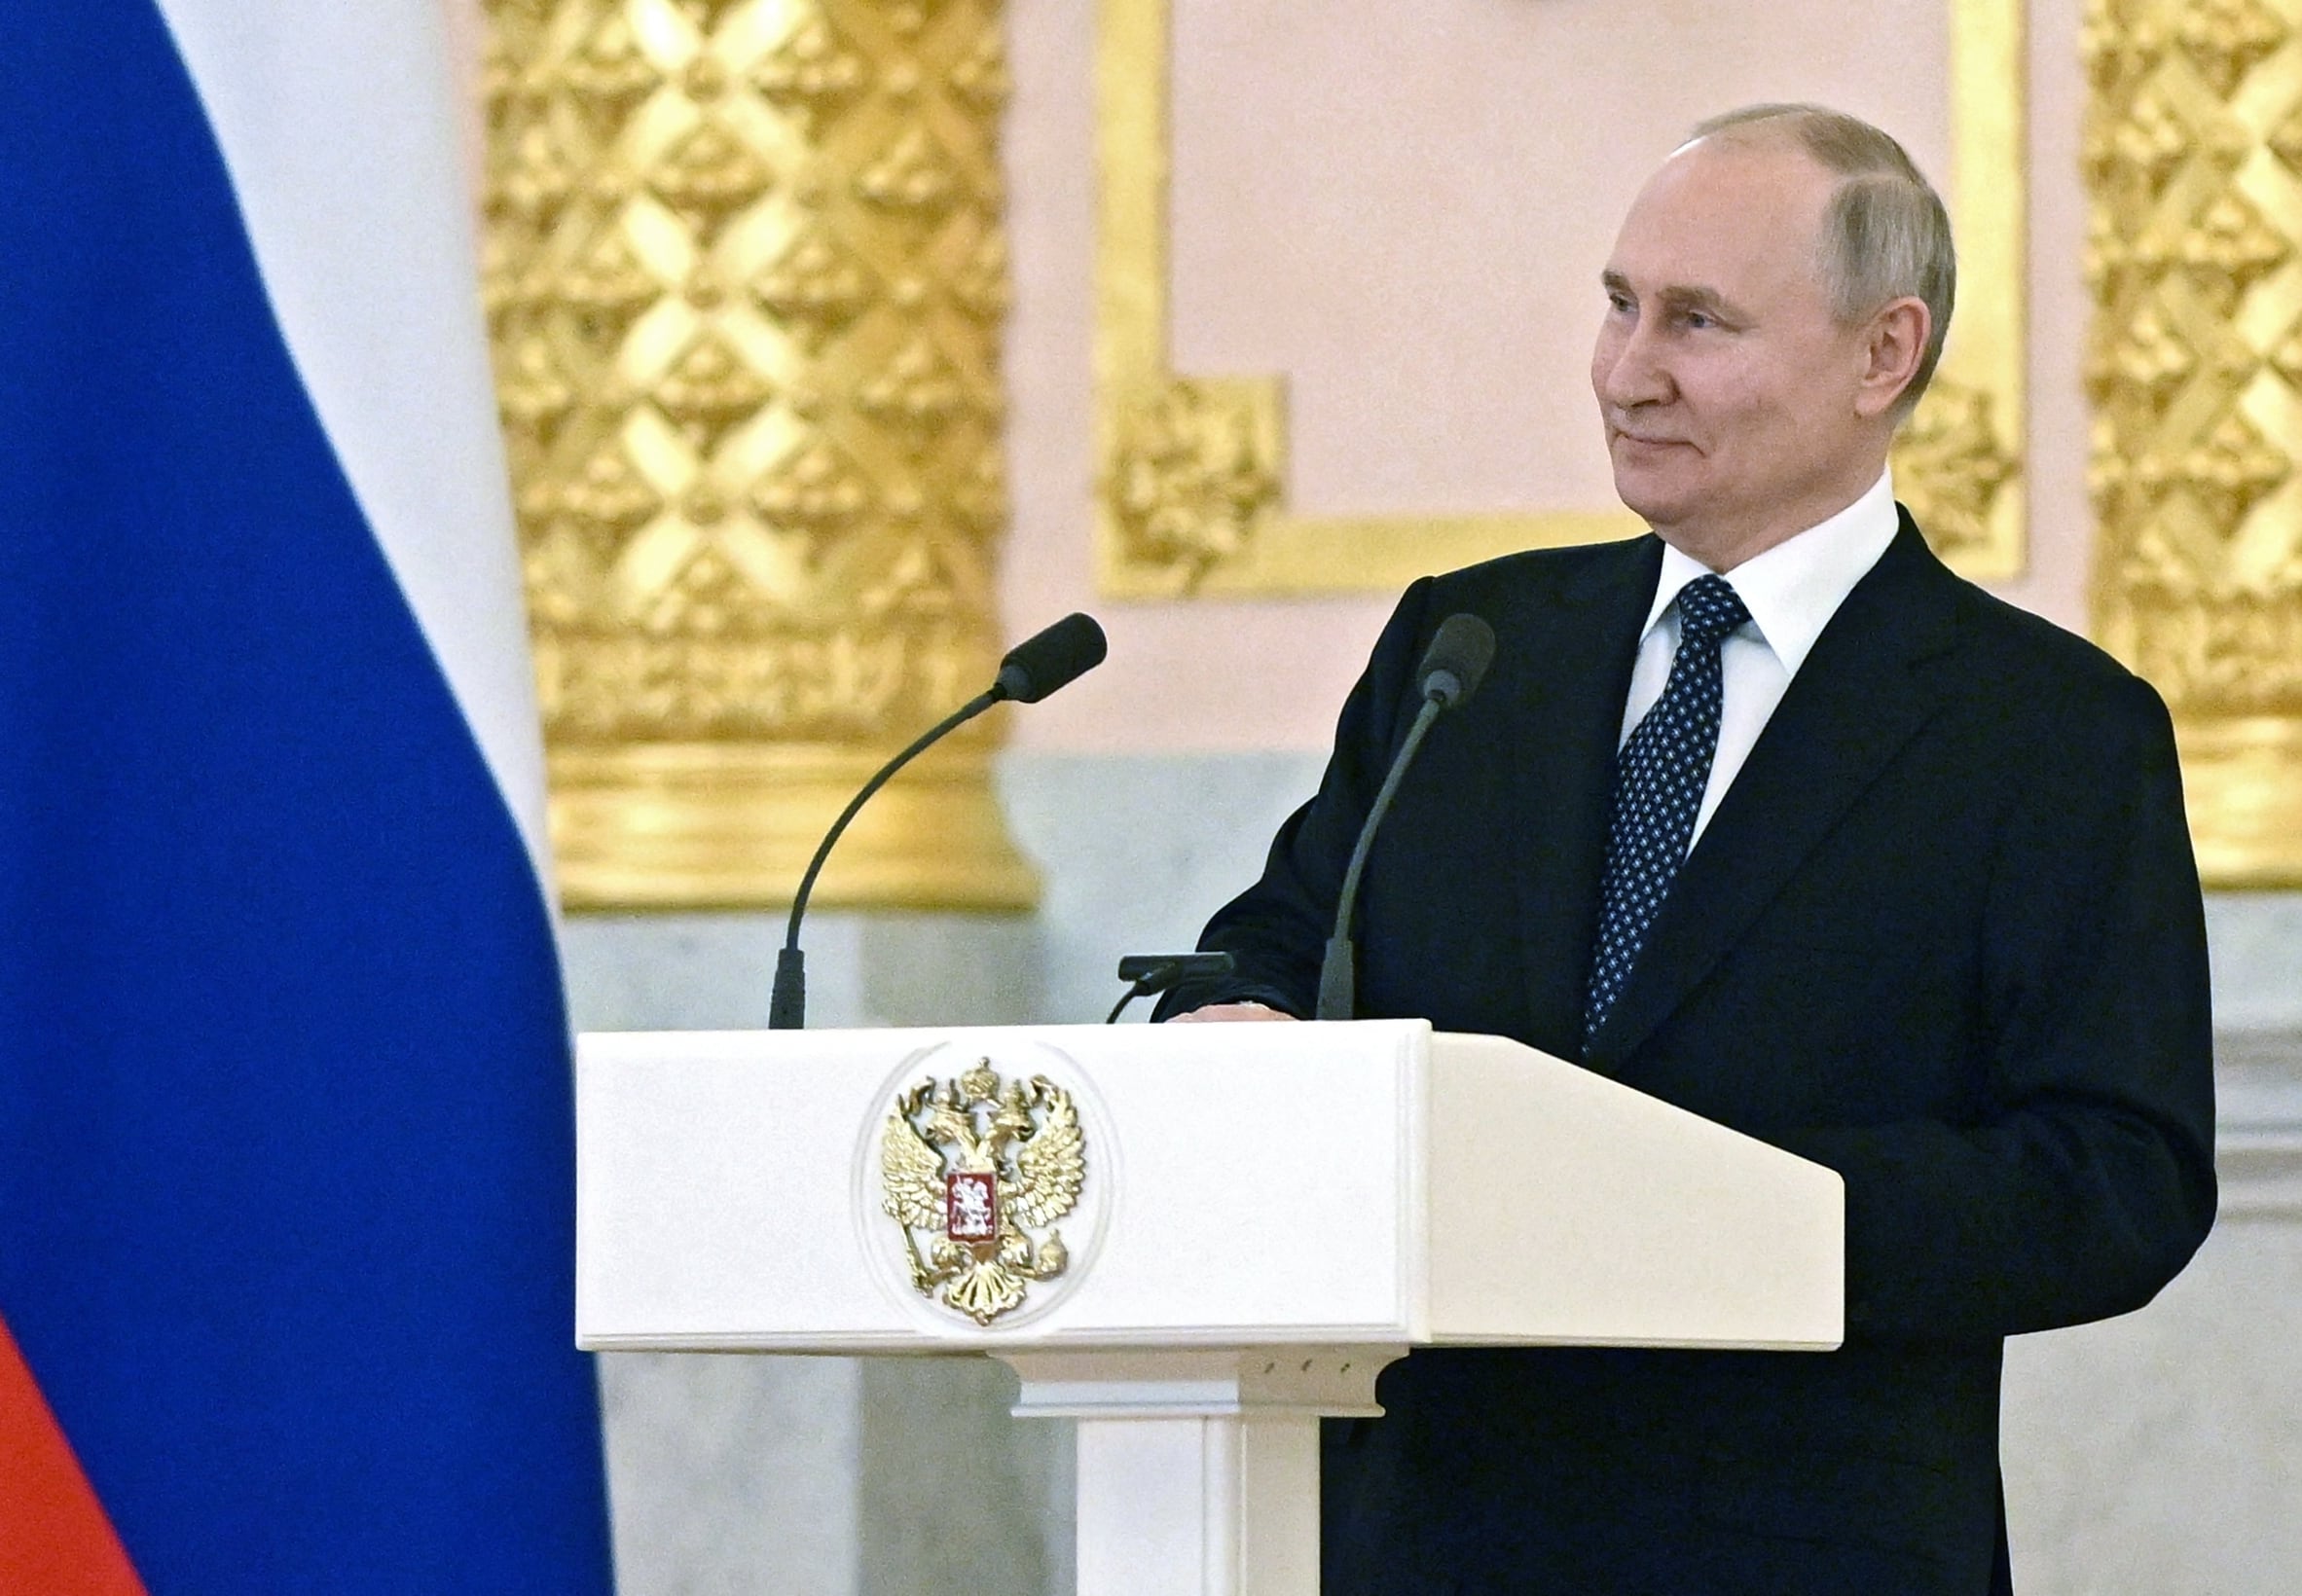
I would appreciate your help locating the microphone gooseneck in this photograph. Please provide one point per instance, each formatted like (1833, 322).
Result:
(787, 1003)
(1034, 668)
(1452, 667)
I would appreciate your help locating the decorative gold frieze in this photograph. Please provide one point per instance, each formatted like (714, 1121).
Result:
(2224, 40)
(2193, 146)
(609, 75)
(981, 79)
(746, 280)
(1190, 488)
(813, 74)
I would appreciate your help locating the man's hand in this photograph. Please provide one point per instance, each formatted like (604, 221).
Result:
(1231, 1011)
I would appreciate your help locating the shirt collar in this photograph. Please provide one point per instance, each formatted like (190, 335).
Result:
(1794, 589)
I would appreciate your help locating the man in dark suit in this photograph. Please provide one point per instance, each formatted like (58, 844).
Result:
(1769, 815)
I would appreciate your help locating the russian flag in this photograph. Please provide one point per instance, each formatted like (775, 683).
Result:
(285, 1123)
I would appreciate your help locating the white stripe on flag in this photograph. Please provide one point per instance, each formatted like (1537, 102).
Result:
(338, 123)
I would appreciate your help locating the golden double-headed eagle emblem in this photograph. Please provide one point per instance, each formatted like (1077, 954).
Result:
(975, 1166)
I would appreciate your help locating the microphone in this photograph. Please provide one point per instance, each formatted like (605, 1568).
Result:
(1452, 667)
(1051, 659)
(1034, 668)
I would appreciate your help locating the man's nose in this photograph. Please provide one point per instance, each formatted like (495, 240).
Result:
(1629, 369)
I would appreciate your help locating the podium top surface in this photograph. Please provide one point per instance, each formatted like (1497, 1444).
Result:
(1130, 1186)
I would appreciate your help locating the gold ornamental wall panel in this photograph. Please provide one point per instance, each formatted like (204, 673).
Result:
(746, 277)
(2194, 166)
(1193, 475)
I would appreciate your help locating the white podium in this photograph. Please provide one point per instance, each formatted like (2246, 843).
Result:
(1257, 1219)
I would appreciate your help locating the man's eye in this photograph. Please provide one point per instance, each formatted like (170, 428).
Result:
(1697, 320)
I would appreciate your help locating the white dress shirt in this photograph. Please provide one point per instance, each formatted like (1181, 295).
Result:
(1791, 590)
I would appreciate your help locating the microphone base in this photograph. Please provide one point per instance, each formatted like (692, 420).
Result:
(787, 1003)
(1339, 982)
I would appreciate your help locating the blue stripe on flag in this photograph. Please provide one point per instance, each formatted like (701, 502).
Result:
(285, 1125)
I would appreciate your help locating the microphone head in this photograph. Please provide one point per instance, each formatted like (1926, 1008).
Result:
(1456, 661)
(1055, 658)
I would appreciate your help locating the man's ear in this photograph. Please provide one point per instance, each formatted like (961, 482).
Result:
(1893, 344)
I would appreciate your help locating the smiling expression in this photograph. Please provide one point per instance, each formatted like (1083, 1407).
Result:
(1738, 411)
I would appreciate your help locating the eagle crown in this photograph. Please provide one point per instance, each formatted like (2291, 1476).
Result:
(974, 1120)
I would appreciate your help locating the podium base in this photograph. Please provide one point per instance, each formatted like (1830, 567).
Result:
(1198, 1471)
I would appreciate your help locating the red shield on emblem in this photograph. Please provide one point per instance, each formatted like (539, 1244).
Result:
(971, 1206)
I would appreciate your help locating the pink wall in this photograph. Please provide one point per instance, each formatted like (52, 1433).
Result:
(1405, 211)
(2061, 521)
(1202, 675)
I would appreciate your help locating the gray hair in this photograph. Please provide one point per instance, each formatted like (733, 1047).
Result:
(1885, 234)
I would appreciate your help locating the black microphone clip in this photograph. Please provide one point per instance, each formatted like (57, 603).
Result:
(1158, 972)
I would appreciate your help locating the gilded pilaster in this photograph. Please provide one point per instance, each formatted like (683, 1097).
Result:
(2194, 162)
(746, 277)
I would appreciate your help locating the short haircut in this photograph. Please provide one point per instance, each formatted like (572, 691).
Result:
(1885, 234)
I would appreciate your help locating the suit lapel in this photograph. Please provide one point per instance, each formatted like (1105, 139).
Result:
(1571, 712)
(1857, 700)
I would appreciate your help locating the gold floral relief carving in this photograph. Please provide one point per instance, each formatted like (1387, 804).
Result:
(1192, 474)
(746, 277)
(2193, 152)
(1190, 495)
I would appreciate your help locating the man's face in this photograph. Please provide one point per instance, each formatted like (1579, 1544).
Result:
(1729, 392)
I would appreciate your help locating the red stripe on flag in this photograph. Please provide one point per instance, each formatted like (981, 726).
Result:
(54, 1537)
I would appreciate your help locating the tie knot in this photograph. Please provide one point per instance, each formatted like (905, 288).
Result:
(1708, 608)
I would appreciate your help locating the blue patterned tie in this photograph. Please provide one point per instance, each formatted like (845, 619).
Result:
(1659, 780)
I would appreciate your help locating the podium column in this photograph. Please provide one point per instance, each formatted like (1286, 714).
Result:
(1198, 1471)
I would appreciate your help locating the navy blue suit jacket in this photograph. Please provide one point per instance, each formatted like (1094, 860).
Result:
(1943, 934)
